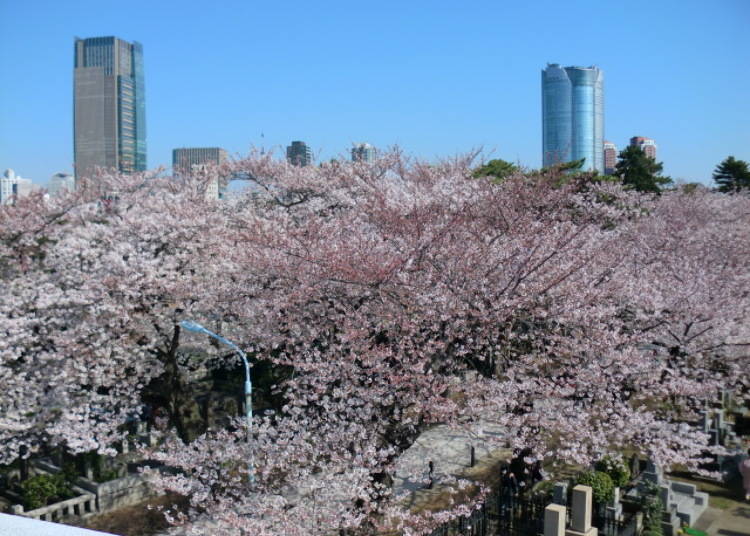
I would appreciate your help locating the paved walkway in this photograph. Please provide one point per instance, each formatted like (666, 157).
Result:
(449, 451)
(733, 521)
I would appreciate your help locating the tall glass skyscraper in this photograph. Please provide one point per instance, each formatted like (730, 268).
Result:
(109, 106)
(573, 115)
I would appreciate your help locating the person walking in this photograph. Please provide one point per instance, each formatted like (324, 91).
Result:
(744, 467)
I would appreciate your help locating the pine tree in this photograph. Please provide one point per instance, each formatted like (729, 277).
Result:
(732, 175)
(639, 171)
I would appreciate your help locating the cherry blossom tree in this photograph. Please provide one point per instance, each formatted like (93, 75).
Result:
(578, 316)
(93, 285)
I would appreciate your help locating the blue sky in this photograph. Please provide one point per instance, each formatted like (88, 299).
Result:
(437, 78)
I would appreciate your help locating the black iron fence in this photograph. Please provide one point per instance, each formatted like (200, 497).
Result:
(505, 514)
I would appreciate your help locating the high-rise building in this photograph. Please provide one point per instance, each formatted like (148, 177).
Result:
(299, 154)
(647, 145)
(59, 183)
(13, 186)
(610, 157)
(184, 161)
(363, 152)
(109, 106)
(573, 115)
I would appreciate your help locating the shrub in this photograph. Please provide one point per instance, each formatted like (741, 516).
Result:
(652, 510)
(617, 470)
(39, 489)
(601, 484)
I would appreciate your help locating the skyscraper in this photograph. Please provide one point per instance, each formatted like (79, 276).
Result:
(184, 160)
(299, 154)
(573, 115)
(610, 157)
(363, 152)
(109, 106)
(647, 145)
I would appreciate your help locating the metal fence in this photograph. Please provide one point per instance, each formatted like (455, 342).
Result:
(503, 514)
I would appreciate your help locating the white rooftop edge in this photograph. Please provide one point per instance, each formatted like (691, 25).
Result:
(25, 526)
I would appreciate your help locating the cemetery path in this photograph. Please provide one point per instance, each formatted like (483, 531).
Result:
(448, 450)
(732, 521)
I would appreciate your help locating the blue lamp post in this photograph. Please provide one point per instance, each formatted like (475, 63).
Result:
(197, 328)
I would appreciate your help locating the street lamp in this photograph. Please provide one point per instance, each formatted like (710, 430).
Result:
(197, 328)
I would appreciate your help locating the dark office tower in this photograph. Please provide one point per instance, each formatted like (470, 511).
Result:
(109, 107)
(573, 116)
(299, 154)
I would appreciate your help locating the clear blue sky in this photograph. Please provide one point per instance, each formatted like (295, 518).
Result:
(437, 78)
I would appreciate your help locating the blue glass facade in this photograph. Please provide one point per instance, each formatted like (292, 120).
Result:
(573, 116)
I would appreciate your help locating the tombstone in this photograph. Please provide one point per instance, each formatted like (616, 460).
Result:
(670, 523)
(560, 493)
(653, 473)
(581, 513)
(554, 520)
(722, 427)
(614, 508)
(635, 466)
(665, 494)
(705, 421)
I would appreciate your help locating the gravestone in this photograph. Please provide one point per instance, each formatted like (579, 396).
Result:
(614, 508)
(554, 520)
(652, 473)
(581, 511)
(560, 493)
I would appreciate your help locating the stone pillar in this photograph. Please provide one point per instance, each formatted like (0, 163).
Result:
(554, 520)
(581, 513)
(16, 509)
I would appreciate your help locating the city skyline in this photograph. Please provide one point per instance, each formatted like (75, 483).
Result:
(445, 86)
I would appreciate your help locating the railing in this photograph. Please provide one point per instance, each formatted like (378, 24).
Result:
(76, 507)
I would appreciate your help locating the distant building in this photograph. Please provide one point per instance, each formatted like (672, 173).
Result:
(647, 145)
(13, 186)
(299, 154)
(363, 152)
(59, 183)
(109, 106)
(573, 116)
(610, 157)
(184, 161)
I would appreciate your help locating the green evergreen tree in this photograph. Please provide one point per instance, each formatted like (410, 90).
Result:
(498, 168)
(640, 171)
(732, 175)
